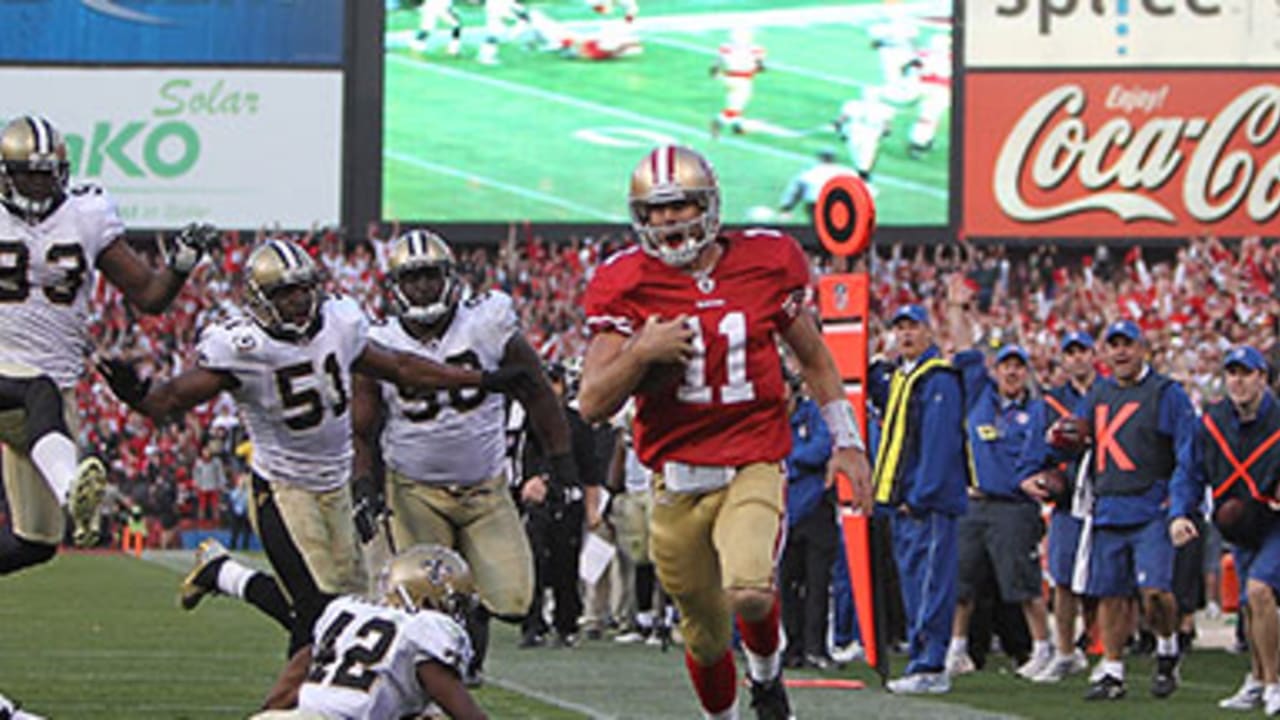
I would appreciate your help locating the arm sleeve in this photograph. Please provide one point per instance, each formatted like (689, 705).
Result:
(794, 282)
(500, 321)
(1034, 453)
(436, 637)
(878, 376)
(973, 373)
(583, 440)
(100, 220)
(814, 450)
(605, 302)
(228, 348)
(942, 423)
(349, 312)
(1178, 420)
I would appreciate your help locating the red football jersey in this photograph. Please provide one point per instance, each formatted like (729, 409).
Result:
(728, 407)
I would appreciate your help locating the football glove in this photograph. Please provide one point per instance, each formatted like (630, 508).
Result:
(190, 244)
(370, 505)
(123, 380)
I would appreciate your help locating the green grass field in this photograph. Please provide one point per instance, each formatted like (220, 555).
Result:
(550, 139)
(101, 636)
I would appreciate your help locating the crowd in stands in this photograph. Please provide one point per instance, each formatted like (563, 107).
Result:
(1193, 302)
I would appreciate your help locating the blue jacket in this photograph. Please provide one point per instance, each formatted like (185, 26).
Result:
(807, 463)
(999, 430)
(934, 467)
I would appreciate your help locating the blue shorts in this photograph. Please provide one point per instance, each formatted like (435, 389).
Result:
(1260, 563)
(1123, 559)
(1064, 539)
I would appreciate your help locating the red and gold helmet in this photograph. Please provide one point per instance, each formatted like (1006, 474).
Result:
(674, 173)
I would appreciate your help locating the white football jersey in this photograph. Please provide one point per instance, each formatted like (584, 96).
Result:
(740, 59)
(47, 273)
(365, 659)
(295, 396)
(456, 436)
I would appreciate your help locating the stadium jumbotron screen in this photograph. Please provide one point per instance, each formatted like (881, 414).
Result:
(546, 123)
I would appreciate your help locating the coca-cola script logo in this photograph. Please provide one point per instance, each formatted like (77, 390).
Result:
(1121, 164)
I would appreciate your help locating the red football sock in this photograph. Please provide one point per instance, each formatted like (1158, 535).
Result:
(761, 637)
(715, 684)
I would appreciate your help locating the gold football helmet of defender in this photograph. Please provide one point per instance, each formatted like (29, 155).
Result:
(429, 576)
(423, 273)
(670, 174)
(282, 290)
(33, 166)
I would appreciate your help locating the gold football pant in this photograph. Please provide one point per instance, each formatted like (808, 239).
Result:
(480, 522)
(705, 544)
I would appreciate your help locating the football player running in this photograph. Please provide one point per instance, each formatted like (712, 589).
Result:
(686, 322)
(390, 658)
(445, 452)
(56, 238)
(289, 370)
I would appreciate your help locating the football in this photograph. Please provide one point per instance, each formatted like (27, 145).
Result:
(1055, 482)
(1229, 515)
(1070, 434)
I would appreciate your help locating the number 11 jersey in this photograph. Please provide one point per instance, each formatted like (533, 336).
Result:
(727, 405)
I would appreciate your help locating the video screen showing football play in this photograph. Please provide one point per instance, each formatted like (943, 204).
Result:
(537, 112)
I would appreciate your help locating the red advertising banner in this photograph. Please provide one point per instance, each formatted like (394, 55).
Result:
(1121, 154)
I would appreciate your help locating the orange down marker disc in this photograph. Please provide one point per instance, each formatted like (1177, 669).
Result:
(845, 215)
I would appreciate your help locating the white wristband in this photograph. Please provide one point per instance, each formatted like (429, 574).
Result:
(843, 425)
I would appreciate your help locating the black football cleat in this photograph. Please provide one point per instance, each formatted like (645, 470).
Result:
(769, 700)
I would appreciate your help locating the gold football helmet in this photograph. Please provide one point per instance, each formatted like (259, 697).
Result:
(34, 171)
(274, 267)
(674, 173)
(428, 576)
(423, 250)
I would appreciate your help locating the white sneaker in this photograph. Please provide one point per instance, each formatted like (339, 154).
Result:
(631, 637)
(921, 684)
(845, 654)
(83, 500)
(1061, 667)
(959, 664)
(1248, 697)
(1036, 665)
(1271, 700)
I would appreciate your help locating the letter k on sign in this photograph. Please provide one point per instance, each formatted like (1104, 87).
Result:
(1105, 440)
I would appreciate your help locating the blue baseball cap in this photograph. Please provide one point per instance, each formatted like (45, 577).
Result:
(914, 313)
(1126, 328)
(1077, 337)
(1013, 351)
(1247, 356)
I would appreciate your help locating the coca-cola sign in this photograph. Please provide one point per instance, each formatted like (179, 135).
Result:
(1122, 154)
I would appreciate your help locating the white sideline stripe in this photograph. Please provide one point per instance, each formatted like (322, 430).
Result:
(516, 687)
(669, 126)
(507, 187)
